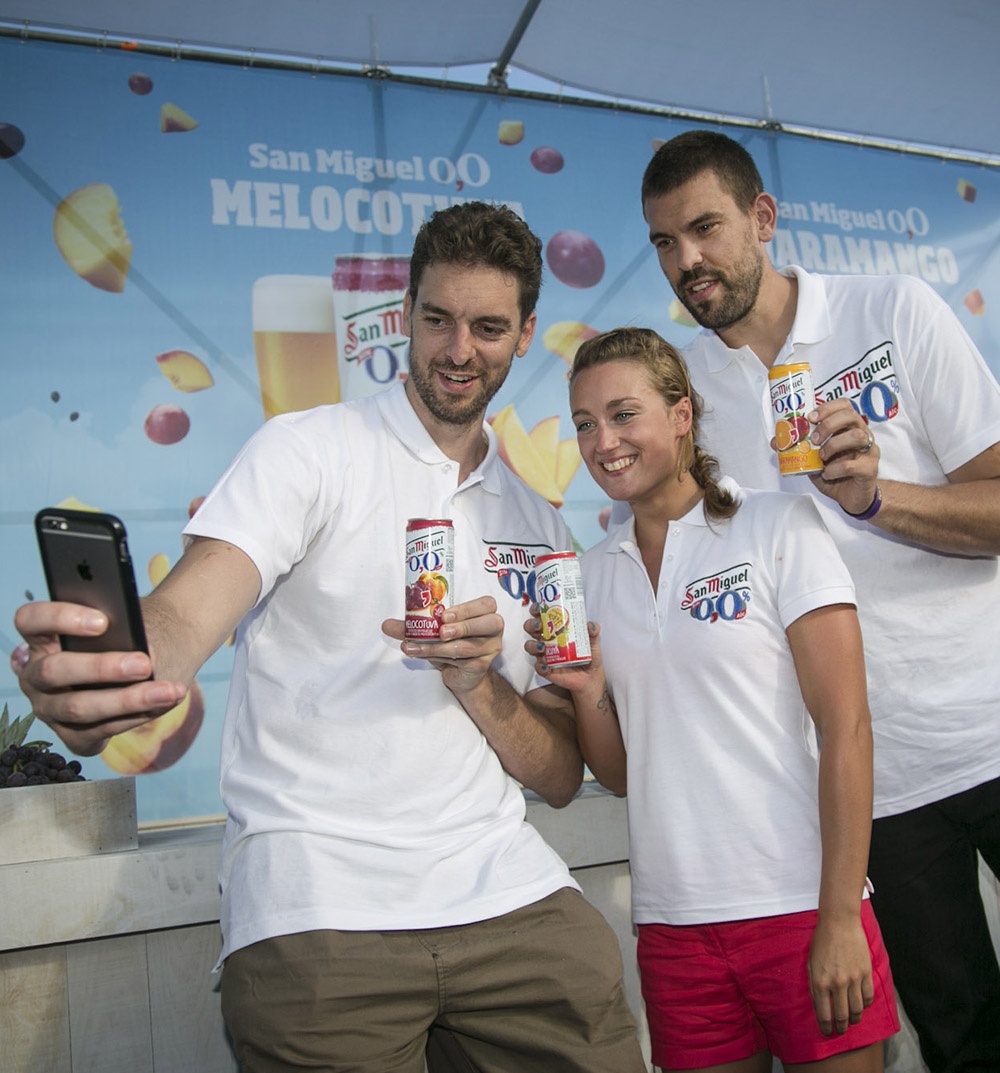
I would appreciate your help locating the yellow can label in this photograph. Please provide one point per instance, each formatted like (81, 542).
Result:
(792, 398)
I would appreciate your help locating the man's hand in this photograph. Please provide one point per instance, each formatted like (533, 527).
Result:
(850, 455)
(471, 639)
(61, 685)
(533, 736)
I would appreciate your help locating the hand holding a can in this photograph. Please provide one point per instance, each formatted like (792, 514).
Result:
(850, 456)
(597, 728)
(575, 676)
(469, 639)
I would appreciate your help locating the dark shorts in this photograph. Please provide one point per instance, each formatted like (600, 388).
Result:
(533, 991)
(718, 993)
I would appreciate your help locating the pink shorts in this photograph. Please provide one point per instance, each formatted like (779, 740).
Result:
(719, 993)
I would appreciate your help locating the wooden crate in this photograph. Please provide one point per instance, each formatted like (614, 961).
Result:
(72, 819)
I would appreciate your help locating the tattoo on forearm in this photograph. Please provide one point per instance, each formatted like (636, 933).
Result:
(606, 704)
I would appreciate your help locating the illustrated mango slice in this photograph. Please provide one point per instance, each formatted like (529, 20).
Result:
(174, 120)
(159, 567)
(517, 450)
(564, 337)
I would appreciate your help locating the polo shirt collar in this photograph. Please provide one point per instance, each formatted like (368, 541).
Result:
(812, 322)
(402, 421)
(622, 537)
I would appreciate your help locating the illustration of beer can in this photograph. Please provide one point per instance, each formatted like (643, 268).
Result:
(372, 347)
(559, 594)
(430, 576)
(792, 398)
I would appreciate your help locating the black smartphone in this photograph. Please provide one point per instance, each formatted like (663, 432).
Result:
(86, 561)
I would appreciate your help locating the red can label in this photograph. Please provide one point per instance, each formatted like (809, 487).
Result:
(430, 576)
(559, 593)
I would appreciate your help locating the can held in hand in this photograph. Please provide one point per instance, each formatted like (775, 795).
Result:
(430, 576)
(561, 611)
(792, 398)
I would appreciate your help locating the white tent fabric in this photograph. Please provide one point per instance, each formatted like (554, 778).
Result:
(920, 72)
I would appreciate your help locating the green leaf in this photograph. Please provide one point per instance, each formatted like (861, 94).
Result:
(13, 733)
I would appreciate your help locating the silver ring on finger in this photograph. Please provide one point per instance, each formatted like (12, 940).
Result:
(868, 446)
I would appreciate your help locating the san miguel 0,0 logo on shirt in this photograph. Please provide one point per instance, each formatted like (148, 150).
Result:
(724, 595)
(870, 384)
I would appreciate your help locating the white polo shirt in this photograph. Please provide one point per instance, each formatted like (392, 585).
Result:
(722, 752)
(932, 638)
(360, 794)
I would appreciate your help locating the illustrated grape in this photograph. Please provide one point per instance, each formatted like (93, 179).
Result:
(417, 596)
(140, 84)
(547, 160)
(575, 259)
(11, 140)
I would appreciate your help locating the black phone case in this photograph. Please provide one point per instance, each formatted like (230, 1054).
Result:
(86, 561)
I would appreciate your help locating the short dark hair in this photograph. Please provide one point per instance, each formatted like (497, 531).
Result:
(477, 234)
(682, 158)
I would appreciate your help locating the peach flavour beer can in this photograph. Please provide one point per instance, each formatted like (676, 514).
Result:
(792, 398)
(430, 576)
(372, 345)
(561, 611)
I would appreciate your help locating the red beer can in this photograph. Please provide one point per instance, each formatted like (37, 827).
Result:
(559, 595)
(430, 576)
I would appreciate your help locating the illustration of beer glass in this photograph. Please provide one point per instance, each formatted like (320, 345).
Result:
(295, 342)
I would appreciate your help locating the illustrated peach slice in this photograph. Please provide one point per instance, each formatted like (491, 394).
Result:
(184, 370)
(158, 744)
(89, 232)
(510, 131)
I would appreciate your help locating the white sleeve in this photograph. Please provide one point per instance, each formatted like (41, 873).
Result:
(274, 497)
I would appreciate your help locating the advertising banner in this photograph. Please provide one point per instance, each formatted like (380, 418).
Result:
(191, 248)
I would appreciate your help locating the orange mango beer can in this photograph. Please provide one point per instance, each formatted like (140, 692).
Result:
(561, 611)
(792, 398)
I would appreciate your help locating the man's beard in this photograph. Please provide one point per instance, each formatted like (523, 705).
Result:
(450, 409)
(737, 301)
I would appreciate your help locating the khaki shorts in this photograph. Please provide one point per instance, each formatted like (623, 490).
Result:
(538, 990)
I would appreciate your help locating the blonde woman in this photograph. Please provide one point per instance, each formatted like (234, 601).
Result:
(728, 649)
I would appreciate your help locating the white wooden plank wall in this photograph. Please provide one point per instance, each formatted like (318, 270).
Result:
(147, 1002)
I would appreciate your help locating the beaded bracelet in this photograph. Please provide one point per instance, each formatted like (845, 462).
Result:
(871, 511)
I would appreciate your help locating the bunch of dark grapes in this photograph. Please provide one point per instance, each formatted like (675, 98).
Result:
(34, 765)
(417, 596)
